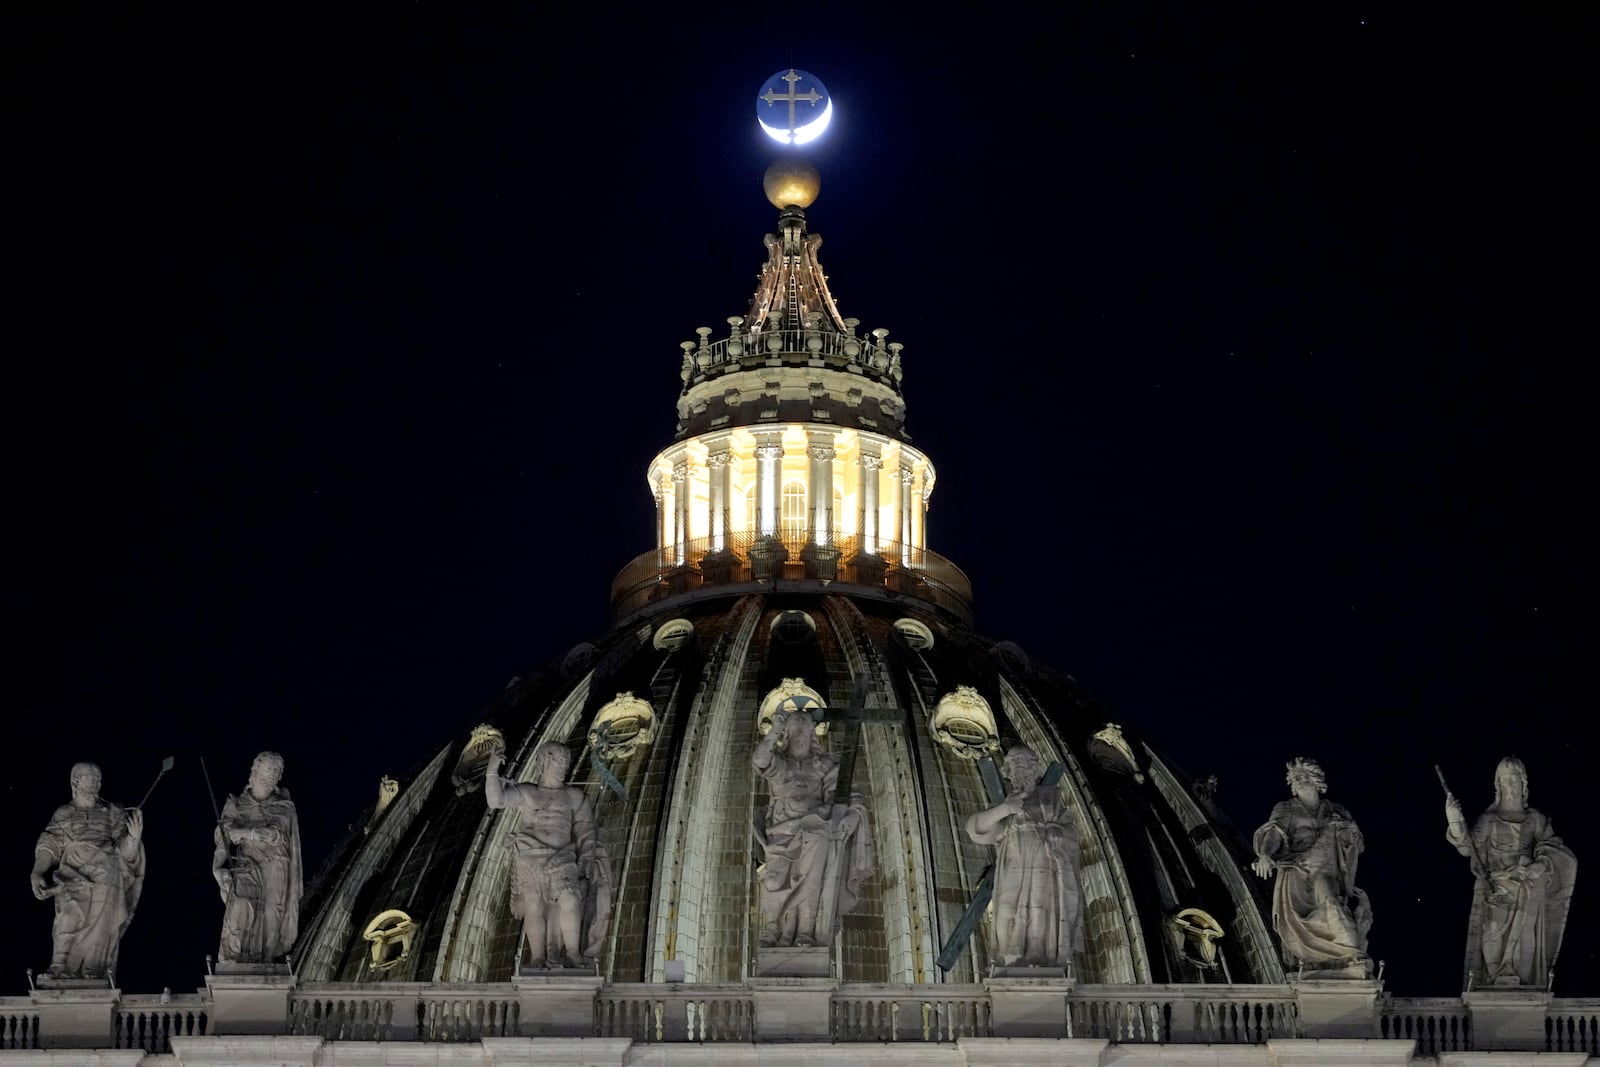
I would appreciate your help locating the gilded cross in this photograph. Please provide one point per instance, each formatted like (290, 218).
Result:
(772, 96)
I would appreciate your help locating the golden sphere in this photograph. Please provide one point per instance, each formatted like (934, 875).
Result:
(791, 182)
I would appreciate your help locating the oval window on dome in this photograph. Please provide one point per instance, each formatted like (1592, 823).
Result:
(390, 934)
(792, 695)
(622, 727)
(964, 723)
(794, 627)
(914, 634)
(674, 635)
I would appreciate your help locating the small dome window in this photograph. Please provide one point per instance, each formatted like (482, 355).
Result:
(674, 635)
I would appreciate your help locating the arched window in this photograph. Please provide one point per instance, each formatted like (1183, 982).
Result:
(792, 515)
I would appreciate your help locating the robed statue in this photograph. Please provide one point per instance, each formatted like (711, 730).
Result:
(815, 854)
(1312, 844)
(1036, 912)
(1524, 885)
(256, 862)
(90, 861)
(560, 875)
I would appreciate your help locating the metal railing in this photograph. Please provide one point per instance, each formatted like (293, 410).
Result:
(789, 555)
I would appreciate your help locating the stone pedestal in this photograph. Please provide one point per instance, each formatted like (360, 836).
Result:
(1337, 1008)
(557, 1003)
(76, 1012)
(250, 999)
(1507, 1018)
(870, 569)
(1340, 1052)
(793, 1009)
(792, 961)
(1029, 1001)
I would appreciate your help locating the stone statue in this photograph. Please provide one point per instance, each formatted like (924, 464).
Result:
(1036, 909)
(561, 875)
(90, 859)
(815, 854)
(1312, 844)
(1524, 886)
(257, 866)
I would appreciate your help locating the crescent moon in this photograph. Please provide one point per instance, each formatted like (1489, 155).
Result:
(802, 134)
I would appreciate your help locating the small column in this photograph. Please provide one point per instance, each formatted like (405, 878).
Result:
(719, 461)
(663, 521)
(819, 488)
(767, 553)
(902, 520)
(922, 513)
(680, 495)
(871, 465)
(769, 455)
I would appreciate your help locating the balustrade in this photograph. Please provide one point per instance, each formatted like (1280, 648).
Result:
(143, 1021)
(651, 1013)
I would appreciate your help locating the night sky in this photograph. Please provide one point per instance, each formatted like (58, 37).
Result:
(1248, 347)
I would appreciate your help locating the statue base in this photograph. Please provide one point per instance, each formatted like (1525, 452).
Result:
(1337, 1007)
(792, 961)
(793, 1009)
(280, 970)
(1507, 1019)
(249, 1002)
(557, 1001)
(1029, 1001)
(76, 1012)
(45, 981)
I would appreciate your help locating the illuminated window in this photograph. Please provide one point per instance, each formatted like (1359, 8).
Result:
(793, 514)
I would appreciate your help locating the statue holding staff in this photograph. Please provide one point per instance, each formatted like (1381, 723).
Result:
(90, 861)
(1524, 879)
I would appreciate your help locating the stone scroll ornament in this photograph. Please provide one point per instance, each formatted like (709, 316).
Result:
(90, 862)
(561, 874)
(1312, 844)
(256, 862)
(1036, 905)
(815, 854)
(1524, 880)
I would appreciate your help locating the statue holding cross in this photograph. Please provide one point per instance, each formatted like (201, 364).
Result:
(1036, 906)
(816, 854)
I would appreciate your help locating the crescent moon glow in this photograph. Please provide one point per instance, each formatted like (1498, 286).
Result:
(802, 134)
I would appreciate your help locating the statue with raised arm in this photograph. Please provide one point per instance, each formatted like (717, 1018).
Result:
(1524, 885)
(815, 854)
(560, 875)
(1312, 845)
(256, 863)
(90, 860)
(1036, 908)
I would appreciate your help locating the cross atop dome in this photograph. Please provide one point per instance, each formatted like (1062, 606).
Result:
(793, 107)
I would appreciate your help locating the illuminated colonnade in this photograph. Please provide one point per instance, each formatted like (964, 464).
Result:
(800, 482)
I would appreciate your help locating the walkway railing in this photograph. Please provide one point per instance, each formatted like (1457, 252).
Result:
(702, 563)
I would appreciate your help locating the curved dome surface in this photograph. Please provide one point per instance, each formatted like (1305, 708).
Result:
(929, 695)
